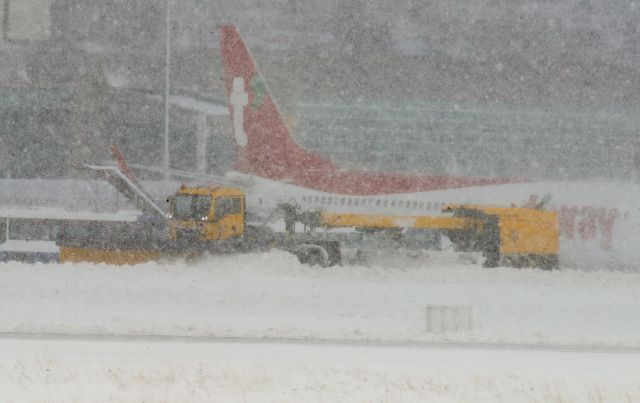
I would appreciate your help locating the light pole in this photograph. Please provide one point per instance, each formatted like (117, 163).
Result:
(167, 55)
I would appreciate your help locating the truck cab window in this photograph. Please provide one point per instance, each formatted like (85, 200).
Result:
(190, 207)
(227, 206)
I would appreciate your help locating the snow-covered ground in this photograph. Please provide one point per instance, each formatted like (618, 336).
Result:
(272, 295)
(87, 371)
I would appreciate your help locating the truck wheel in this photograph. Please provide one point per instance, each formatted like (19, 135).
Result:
(313, 255)
(315, 258)
(302, 257)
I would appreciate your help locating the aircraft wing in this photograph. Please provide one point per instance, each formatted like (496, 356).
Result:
(209, 178)
(182, 174)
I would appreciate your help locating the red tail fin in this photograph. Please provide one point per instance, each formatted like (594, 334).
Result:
(263, 144)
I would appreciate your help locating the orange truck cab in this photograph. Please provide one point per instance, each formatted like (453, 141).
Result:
(207, 214)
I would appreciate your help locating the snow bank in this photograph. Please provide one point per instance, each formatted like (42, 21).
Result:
(272, 295)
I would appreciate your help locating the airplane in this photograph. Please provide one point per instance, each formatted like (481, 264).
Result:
(265, 148)
(599, 221)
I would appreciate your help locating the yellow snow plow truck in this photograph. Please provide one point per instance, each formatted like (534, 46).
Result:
(213, 220)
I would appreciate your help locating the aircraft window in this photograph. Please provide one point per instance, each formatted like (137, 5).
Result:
(317, 199)
(415, 204)
(378, 202)
(342, 201)
(429, 206)
(370, 201)
(400, 203)
(393, 203)
(421, 205)
(304, 199)
(323, 200)
(386, 202)
(260, 200)
(328, 200)
(349, 201)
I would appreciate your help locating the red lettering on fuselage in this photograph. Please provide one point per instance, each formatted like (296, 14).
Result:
(567, 220)
(587, 222)
(606, 220)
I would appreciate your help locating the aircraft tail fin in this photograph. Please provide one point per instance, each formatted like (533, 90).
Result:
(264, 145)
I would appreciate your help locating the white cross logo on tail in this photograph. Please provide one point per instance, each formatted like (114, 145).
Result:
(239, 99)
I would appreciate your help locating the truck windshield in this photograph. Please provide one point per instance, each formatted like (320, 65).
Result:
(190, 207)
